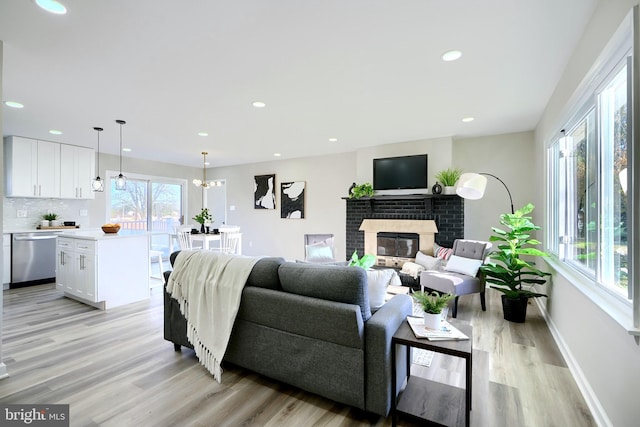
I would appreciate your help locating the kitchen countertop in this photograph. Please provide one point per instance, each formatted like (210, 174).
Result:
(98, 234)
(47, 230)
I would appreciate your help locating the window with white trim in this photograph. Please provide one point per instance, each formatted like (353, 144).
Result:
(588, 194)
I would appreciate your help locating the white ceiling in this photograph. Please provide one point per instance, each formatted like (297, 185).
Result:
(367, 72)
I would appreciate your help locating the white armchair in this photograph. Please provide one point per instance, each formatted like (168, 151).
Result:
(461, 275)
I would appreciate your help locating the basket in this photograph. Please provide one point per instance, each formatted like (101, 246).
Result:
(111, 228)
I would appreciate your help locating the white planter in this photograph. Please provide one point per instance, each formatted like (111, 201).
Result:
(56, 223)
(44, 223)
(449, 190)
(433, 321)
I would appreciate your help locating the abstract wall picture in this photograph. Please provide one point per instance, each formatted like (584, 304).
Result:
(292, 199)
(265, 192)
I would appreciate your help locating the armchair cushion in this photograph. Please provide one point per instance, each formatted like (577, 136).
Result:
(468, 266)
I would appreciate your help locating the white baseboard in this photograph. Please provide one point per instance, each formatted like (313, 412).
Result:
(597, 411)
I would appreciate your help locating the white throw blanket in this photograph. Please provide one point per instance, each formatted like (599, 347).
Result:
(208, 286)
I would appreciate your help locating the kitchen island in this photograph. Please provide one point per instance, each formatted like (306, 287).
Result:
(103, 270)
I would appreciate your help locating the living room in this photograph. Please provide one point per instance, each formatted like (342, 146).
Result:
(602, 354)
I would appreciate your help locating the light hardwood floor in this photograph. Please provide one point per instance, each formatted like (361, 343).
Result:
(115, 369)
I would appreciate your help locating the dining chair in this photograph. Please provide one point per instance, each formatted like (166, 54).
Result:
(229, 242)
(184, 238)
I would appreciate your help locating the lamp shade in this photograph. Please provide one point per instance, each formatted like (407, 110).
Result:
(471, 186)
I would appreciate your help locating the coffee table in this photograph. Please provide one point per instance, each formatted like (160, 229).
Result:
(426, 399)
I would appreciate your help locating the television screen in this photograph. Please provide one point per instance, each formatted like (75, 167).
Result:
(396, 173)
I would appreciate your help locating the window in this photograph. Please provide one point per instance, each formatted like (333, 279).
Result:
(587, 165)
(150, 204)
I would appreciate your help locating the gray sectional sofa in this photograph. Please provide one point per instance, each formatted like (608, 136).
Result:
(311, 326)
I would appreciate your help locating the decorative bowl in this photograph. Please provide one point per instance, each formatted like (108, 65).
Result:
(111, 228)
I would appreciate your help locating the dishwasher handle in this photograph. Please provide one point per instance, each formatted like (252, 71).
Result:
(31, 238)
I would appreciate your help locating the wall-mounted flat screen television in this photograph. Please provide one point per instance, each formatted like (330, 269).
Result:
(400, 173)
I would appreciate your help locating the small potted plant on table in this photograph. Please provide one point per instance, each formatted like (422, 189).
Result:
(203, 217)
(433, 304)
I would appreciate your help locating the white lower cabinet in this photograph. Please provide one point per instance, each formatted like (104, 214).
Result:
(6, 258)
(105, 272)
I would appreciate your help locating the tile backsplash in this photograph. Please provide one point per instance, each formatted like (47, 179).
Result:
(67, 210)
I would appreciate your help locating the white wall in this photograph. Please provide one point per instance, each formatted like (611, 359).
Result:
(508, 157)
(606, 358)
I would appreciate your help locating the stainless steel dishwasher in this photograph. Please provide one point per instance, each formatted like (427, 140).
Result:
(33, 258)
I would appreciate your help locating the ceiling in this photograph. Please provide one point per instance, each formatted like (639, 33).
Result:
(366, 72)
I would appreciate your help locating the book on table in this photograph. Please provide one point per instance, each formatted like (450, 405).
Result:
(447, 332)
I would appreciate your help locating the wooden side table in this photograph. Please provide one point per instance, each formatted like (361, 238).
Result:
(430, 400)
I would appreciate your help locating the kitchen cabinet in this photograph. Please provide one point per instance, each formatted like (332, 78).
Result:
(6, 258)
(103, 270)
(77, 169)
(32, 168)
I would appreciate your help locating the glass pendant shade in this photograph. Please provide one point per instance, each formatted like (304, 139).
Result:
(121, 180)
(96, 184)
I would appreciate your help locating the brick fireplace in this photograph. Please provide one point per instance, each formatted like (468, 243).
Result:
(446, 212)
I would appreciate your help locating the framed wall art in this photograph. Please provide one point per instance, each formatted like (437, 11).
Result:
(264, 194)
(292, 199)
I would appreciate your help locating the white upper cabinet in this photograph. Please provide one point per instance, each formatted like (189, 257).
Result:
(77, 168)
(32, 168)
(47, 169)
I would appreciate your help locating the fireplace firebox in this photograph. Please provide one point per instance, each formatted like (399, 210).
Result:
(402, 245)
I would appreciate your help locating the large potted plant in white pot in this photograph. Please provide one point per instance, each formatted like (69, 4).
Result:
(507, 271)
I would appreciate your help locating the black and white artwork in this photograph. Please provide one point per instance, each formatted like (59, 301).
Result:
(265, 192)
(292, 199)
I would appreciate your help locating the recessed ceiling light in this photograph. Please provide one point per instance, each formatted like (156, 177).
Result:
(13, 104)
(55, 132)
(52, 6)
(276, 154)
(259, 104)
(468, 119)
(333, 139)
(203, 134)
(451, 55)
(127, 149)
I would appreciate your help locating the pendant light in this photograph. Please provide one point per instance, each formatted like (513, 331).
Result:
(97, 185)
(204, 183)
(121, 180)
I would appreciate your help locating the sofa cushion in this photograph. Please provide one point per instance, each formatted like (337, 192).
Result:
(427, 261)
(378, 280)
(265, 273)
(340, 284)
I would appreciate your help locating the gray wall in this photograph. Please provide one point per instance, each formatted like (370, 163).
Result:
(605, 358)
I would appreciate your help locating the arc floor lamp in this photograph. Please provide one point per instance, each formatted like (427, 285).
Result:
(471, 186)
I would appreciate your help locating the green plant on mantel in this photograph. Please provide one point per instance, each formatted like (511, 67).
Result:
(448, 177)
(362, 190)
(50, 216)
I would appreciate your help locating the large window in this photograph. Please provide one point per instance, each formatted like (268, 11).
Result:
(148, 203)
(587, 198)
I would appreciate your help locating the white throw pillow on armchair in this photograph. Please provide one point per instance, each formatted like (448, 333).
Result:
(463, 265)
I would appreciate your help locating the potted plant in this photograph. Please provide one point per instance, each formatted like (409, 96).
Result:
(49, 219)
(202, 217)
(448, 178)
(432, 303)
(362, 190)
(509, 273)
(365, 262)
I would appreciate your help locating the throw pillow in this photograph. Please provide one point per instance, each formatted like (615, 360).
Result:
(319, 252)
(463, 265)
(428, 262)
(378, 281)
(441, 252)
